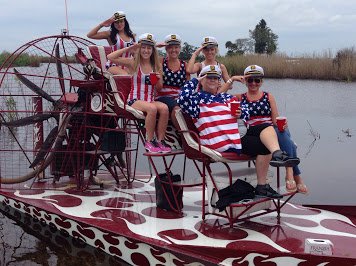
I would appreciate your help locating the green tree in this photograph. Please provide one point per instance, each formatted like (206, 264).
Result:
(240, 46)
(265, 39)
(186, 52)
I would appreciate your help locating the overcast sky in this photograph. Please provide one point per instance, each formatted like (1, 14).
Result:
(303, 26)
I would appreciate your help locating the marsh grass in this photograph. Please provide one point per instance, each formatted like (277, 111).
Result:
(317, 66)
(30, 60)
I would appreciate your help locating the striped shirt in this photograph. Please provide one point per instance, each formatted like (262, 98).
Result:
(117, 46)
(172, 80)
(141, 88)
(260, 110)
(212, 117)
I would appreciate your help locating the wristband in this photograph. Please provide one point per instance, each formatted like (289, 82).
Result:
(230, 81)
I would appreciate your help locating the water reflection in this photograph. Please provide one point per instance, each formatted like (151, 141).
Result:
(26, 241)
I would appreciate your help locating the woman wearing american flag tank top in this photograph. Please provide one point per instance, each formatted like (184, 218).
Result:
(263, 110)
(142, 94)
(221, 131)
(118, 36)
(174, 73)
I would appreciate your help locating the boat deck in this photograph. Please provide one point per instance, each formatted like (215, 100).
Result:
(124, 221)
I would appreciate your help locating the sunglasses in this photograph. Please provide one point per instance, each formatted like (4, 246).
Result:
(256, 80)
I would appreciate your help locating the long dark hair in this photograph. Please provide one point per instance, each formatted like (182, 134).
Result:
(114, 32)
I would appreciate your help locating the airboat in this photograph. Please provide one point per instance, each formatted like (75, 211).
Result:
(71, 150)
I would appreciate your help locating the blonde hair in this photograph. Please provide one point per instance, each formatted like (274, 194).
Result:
(155, 64)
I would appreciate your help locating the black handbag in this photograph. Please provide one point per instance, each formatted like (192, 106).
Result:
(238, 191)
(161, 200)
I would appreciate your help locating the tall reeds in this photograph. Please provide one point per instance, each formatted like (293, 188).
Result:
(32, 60)
(317, 66)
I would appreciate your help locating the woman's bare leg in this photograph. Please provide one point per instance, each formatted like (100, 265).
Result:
(262, 164)
(115, 70)
(163, 111)
(269, 138)
(151, 115)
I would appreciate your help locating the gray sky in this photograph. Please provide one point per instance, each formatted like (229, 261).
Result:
(303, 26)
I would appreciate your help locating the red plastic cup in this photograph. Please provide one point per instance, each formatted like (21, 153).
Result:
(281, 121)
(153, 78)
(234, 106)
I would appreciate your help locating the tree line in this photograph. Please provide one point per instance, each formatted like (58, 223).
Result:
(262, 40)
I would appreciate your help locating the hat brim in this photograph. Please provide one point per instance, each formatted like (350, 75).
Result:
(213, 75)
(254, 73)
(173, 43)
(119, 19)
(209, 74)
(147, 42)
(210, 45)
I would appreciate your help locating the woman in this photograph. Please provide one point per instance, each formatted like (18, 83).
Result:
(142, 95)
(220, 132)
(263, 110)
(210, 50)
(118, 36)
(174, 73)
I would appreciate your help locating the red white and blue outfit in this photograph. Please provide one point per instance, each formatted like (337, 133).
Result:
(172, 80)
(261, 113)
(212, 117)
(120, 44)
(260, 110)
(141, 88)
(172, 83)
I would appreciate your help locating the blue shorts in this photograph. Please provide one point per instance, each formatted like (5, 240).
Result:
(131, 102)
(169, 101)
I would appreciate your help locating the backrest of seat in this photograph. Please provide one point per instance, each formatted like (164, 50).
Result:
(99, 55)
(121, 87)
(123, 84)
(190, 141)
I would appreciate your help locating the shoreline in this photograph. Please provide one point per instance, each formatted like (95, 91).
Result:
(306, 68)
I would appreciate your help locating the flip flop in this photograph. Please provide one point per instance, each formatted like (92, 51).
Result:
(302, 188)
(291, 186)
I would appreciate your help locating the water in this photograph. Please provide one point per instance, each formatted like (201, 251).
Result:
(327, 163)
(28, 242)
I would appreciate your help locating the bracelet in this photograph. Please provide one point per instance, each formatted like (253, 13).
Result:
(230, 81)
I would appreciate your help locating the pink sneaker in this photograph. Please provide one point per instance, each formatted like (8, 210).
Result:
(151, 146)
(163, 146)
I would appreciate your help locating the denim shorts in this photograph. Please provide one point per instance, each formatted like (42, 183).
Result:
(131, 102)
(169, 101)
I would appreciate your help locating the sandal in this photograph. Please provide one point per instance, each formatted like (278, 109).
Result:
(302, 188)
(291, 186)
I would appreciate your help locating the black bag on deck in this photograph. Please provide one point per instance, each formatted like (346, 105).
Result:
(114, 141)
(238, 191)
(161, 200)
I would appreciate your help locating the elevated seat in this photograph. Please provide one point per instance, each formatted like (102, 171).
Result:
(99, 55)
(216, 181)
